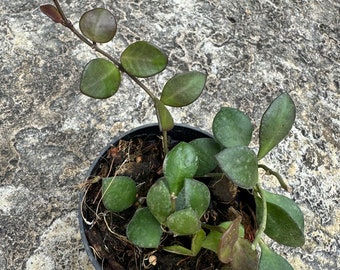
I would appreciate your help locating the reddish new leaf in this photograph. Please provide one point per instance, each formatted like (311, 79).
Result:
(52, 12)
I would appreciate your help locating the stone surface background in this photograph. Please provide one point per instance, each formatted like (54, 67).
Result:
(252, 51)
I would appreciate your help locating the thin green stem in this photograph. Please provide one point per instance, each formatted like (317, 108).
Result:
(263, 223)
(165, 142)
(278, 177)
(262, 244)
(173, 198)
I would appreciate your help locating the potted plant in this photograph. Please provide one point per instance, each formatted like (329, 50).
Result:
(172, 197)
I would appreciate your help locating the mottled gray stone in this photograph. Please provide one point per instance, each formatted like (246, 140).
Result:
(252, 50)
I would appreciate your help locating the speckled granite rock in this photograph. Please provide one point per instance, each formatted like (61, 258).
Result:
(251, 50)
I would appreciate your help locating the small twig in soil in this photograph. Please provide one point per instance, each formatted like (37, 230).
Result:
(117, 235)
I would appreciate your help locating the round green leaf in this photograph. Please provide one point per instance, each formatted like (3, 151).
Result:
(165, 120)
(159, 200)
(98, 25)
(119, 193)
(144, 230)
(206, 149)
(285, 223)
(276, 122)
(232, 127)
(100, 79)
(194, 194)
(270, 260)
(184, 222)
(183, 89)
(180, 163)
(240, 165)
(142, 59)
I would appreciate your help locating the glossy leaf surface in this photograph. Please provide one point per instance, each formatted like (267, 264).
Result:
(206, 149)
(194, 194)
(144, 230)
(159, 200)
(180, 163)
(119, 193)
(183, 89)
(165, 120)
(100, 79)
(285, 223)
(98, 25)
(270, 260)
(276, 122)
(240, 165)
(232, 127)
(143, 59)
(184, 222)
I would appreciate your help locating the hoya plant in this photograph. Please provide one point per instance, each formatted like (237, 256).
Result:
(176, 203)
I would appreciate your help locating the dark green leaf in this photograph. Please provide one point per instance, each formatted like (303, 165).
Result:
(119, 193)
(206, 149)
(184, 222)
(142, 59)
(165, 120)
(240, 165)
(159, 200)
(100, 79)
(232, 127)
(194, 194)
(183, 89)
(270, 260)
(276, 122)
(180, 163)
(285, 223)
(98, 25)
(144, 230)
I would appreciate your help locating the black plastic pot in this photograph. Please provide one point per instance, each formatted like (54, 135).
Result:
(178, 133)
